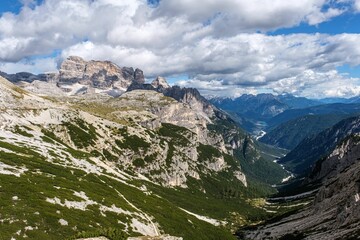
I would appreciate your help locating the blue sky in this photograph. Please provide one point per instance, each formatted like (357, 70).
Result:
(307, 48)
(10, 6)
(347, 23)
(15, 6)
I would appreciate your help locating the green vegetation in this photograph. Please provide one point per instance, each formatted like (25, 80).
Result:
(178, 135)
(207, 153)
(49, 181)
(139, 162)
(111, 233)
(150, 158)
(109, 156)
(133, 142)
(20, 131)
(82, 134)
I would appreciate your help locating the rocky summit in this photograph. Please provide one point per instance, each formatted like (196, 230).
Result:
(77, 76)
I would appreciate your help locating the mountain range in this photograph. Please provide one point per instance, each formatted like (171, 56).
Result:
(93, 150)
(160, 162)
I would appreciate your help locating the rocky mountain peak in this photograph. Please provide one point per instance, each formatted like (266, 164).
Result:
(139, 76)
(160, 82)
(95, 73)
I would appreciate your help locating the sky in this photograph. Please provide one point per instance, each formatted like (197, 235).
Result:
(225, 48)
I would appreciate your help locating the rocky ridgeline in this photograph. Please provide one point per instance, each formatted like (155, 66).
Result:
(77, 76)
(99, 74)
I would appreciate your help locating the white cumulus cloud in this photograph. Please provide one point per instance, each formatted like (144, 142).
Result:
(222, 45)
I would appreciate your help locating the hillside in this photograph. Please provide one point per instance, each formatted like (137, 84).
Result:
(142, 164)
(289, 134)
(334, 108)
(334, 213)
(303, 158)
(253, 112)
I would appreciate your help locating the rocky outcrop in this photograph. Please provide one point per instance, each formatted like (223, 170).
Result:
(98, 74)
(77, 76)
(139, 76)
(190, 96)
(335, 211)
(160, 82)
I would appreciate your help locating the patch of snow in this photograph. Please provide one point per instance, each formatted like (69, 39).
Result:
(94, 238)
(28, 228)
(80, 205)
(11, 170)
(204, 218)
(142, 215)
(74, 89)
(63, 222)
(143, 228)
(269, 211)
(162, 237)
(114, 209)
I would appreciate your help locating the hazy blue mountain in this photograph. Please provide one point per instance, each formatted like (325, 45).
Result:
(335, 108)
(298, 102)
(340, 100)
(254, 111)
(303, 158)
(258, 107)
(289, 134)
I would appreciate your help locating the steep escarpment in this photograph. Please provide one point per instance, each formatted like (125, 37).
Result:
(100, 74)
(335, 211)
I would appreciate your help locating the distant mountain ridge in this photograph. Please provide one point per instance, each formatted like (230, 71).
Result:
(334, 108)
(289, 134)
(303, 158)
(253, 112)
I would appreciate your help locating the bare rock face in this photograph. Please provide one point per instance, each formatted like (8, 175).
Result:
(160, 82)
(139, 76)
(72, 69)
(97, 74)
(190, 96)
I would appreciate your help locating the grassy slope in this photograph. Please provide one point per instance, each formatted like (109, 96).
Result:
(47, 180)
(219, 195)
